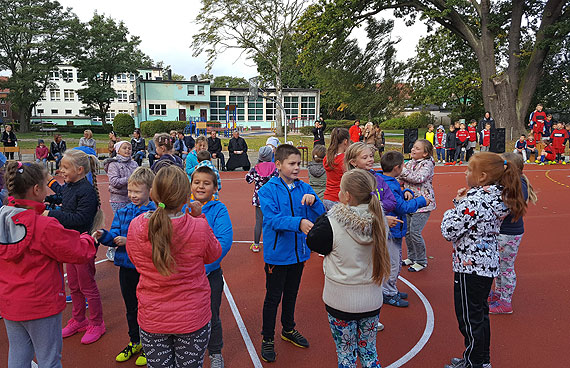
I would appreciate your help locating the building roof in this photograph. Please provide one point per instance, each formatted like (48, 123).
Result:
(270, 90)
(163, 81)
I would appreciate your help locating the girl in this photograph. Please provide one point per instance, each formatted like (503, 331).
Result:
(81, 211)
(259, 175)
(510, 238)
(169, 248)
(379, 141)
(42, 153)
(418, 176)
(87, 140)
(118, 169)
(192, 159)
(473, 227)
(361, 156)
(165, 152)
(334, 165)
(352, 236)
(113, 139)
(139, 147)
(317, 173)
(33, 247)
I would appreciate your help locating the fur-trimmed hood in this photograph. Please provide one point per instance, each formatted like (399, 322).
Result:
(356, 220)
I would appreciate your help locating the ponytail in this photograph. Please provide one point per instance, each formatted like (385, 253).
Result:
(512, 191)
(532, 197)
(338, 136)
(160, 235)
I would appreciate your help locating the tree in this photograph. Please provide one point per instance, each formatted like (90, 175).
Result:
(494, 31)
(107, 50)
(259, 28)
(35, 36)
(224, 81)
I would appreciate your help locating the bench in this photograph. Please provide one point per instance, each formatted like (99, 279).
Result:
(12, 149)
(48, 131)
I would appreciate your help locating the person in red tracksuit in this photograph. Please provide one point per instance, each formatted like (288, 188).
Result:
(440, 143)
(547, 153)
(559, 137)
(531, 148)
(485, 138)
(472, 129)
(462, 142)
(537, 122)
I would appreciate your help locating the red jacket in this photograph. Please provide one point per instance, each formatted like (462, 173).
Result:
(472, 134)
(42, 152)
(31, 251)
(355, 133)
(550, 153)
(333, 177)
(486, 138)
(179, 303)
(462, 136)
(530, 143)
(559, 137)
(439, 139)
(538, 117)
(538, 129)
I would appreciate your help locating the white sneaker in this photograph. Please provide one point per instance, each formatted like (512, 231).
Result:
(111, 254)
(380, 326)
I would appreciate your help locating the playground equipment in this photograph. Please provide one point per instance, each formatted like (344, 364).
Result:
(231, 118)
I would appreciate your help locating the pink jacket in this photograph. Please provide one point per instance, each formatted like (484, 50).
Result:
(179, 303)
(42, 152)
(417, 176)
(32, 248)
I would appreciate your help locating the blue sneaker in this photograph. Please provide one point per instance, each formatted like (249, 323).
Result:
(403, 295)
(68, 300)
(395, 301)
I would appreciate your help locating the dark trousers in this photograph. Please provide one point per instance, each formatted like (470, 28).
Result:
(450, 155)
(151, 160)
(472, 310)
(258, 225)
(217, 287)
(459, 153)
(222, 160)
(469, 153)
(129, 279)
(280, 280)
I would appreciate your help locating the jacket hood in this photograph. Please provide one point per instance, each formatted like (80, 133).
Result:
(13, 233)
(441, 127)
(117, 158)
(316, 169)
(265, 169)
(356, 220)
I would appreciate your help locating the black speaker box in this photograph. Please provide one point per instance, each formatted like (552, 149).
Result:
(410, 137)
(498, 140)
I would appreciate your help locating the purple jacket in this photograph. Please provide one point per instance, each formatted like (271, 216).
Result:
(119, 169)
(386, 196)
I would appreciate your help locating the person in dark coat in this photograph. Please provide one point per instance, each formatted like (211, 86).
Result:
(139, 147)
(486, 119)
(57, 149)
(215, 148)
(238, 153)
(9, 140)
(319, 132)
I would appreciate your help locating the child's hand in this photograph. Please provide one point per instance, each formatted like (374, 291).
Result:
(120, 241)
(194, 208)
(305, 226)
(408, 196)
(428, 201)
(308, 199)
(393, 221)
(461, 193)
(46, 213)
(97, 234)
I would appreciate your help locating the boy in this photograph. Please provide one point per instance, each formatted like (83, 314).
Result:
(392, 164)
(537, 123)
(520, 147)
(547, 155)
(440, 144)
(531, 148)
(450, 143)
(204, 186)
(139, 185)
(472, 129)
(485, 138)
(549, 125)
(559, 137)
(430, 134)
(461, 143)
(289, 207)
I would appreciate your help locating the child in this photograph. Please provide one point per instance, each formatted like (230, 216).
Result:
(520, 147)
(510, 238)
(169, 249)
(549, 125)
(537, 123)
(139, 185)
(165, 153)
(80, 210)
(547, 153)
(57, 149)
(334, 165)
(203, 188)
(360, 156)
(42, 153)
(440, 144)
(259, 175)
(472, 130)
(417, 176)
(450, 143)
(430, 135)
(461, 143)
(119, 169)
(204, 159)
(352, 236)
(531, 148)
(191, 159)
(559, 137)
(473, 227)
(289, 207)
(485, 138)
(317, 172)
(139, 147)
(392, 164)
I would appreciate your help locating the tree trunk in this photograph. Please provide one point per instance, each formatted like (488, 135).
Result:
(24, 121)
(279, 93)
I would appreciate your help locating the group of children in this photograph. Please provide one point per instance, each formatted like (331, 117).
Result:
(459, 143)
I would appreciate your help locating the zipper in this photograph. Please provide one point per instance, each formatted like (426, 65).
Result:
(292, 214)
(275, 244)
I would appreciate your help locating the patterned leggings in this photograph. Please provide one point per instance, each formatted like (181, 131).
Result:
(355, 339)
(170, 351)
(507, 280)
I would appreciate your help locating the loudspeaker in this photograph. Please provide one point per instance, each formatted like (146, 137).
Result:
(497, 140)
(410, 137)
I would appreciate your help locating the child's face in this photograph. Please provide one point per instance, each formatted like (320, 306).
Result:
(539, 108)
(397, 170)
(70, 172)
(139, 193)
(488, 126)
(289, 168)
(418, 151)
(203, 187)
(38, 192)
(451, 128)
(430, 129)
(472, 177)
(364, 161)
(522, 138)
(462, 126)
(201, 146)
(42, 145)
(125, 150)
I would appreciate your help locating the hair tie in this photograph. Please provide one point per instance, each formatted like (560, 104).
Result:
(505, 162)
(161, 205)
(375, 193)
(20, 167)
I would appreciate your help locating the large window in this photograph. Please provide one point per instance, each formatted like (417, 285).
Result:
(240, 102)
(191, 89)
(155, 109)
(291, 106)
(255, 110)
(308, 108)
(68, 95)
(122, 78)
(270, 110)
(201, 90)
(55, 95)
(122, 96)
(217, 108)
(111, 115)
(67, 75)
(54, 75)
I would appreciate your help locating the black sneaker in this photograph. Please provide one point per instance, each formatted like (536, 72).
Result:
(456, 363)
(268, 350)
(295, 338)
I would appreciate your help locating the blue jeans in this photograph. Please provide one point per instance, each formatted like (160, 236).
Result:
(355, 339)
(138, 157)
(440, 153)
(58, 156)
(42, 160)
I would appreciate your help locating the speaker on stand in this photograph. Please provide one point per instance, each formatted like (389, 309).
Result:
(497, 140)
(410, 137)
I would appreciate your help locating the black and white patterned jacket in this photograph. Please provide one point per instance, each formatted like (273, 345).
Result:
(473, 227)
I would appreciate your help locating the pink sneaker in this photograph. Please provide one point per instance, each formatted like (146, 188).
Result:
(93, 333)
(500, 307)
(493, 297)
(74, 327)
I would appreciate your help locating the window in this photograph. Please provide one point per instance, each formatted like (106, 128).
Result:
(155, 109)
(122, 78)
(240, 102)
(269, 110)
(110, 115)
(54, 75)
(190, 89)
(55, 95)
(308, 108)
(123, 111)
(291, 106)
(43, 96)
(68, 112)
(255, 110)
(131, 77)
(200, 90)
(148, 76)
(217, 108)
(67, 75)
(54, 111)
(40, 111)
(193, 107)
(4, 113)
(122, 96)
(95, 118)
(68, 95)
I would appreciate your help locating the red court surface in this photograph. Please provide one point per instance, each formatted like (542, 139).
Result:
(534, 336)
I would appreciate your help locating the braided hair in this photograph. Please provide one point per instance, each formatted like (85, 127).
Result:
(21, 177)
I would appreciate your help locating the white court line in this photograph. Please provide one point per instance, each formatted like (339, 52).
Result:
(96, 263)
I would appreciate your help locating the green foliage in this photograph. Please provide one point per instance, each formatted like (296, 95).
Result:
(123, 124)
(413, 121)
(151, 127)
(224, 81)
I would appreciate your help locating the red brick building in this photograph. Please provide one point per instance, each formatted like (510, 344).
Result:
(6, 115)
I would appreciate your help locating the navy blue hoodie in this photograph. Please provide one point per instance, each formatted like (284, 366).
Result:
(79, 205)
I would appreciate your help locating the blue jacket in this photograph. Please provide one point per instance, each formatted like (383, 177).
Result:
(283, 242)
(403, 207)
(191, 162)
(120, 227)
(79, 204)
(219, 220)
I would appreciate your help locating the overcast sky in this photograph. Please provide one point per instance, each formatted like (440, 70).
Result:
(166, 28)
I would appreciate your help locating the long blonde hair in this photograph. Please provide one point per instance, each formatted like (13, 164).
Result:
(352, 153)
(170, 190)
(362, 187)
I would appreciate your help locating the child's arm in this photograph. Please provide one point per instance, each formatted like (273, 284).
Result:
(86, 209)
(213, 250)
(459, 220)
(109, 236)
(403, 207)
(316, 208)
(423, 174)
(115, 179)
(55, 186)
(320, 238)
(250, 176)
(66, 246)
(273, 216)
(223, 232)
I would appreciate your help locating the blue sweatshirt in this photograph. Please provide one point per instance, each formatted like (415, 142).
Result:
(219, 220)
(283, 242)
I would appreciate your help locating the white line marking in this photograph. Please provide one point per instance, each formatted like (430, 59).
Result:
(245, 241)
(34, 364)
(242, 328)
(430, 322)
(96, 263)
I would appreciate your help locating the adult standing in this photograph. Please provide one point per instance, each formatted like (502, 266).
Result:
(87, 140)
(9, 140)
(369, 135)
(57, 149)
(379, 140)
(113, 139)
(319, 132)
(139, 147)
(215, 148)
(238, 153)
(152, 151)
(487, 119)
(355, 132)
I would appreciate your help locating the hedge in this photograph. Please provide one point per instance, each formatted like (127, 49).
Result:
(331, 124)
(151, 127)
(123, 124)
(413, 121)
(96, 129)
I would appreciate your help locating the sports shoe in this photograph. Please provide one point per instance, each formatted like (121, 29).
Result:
(110, 254)
(541, 164)
(268, 350)
(403, 295)
(395, 301)
(68, 299)
(254, 248)
(416, 267)
(141, 360)
(295, 338)
(528, 161)
(500, 307)
(407, 262)
(128, 352)
(93, 333)
(380, 326)
(456, 363)
(216, 361)
(563, 162)
(74, 327)
(536, 161)
(493, 297)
